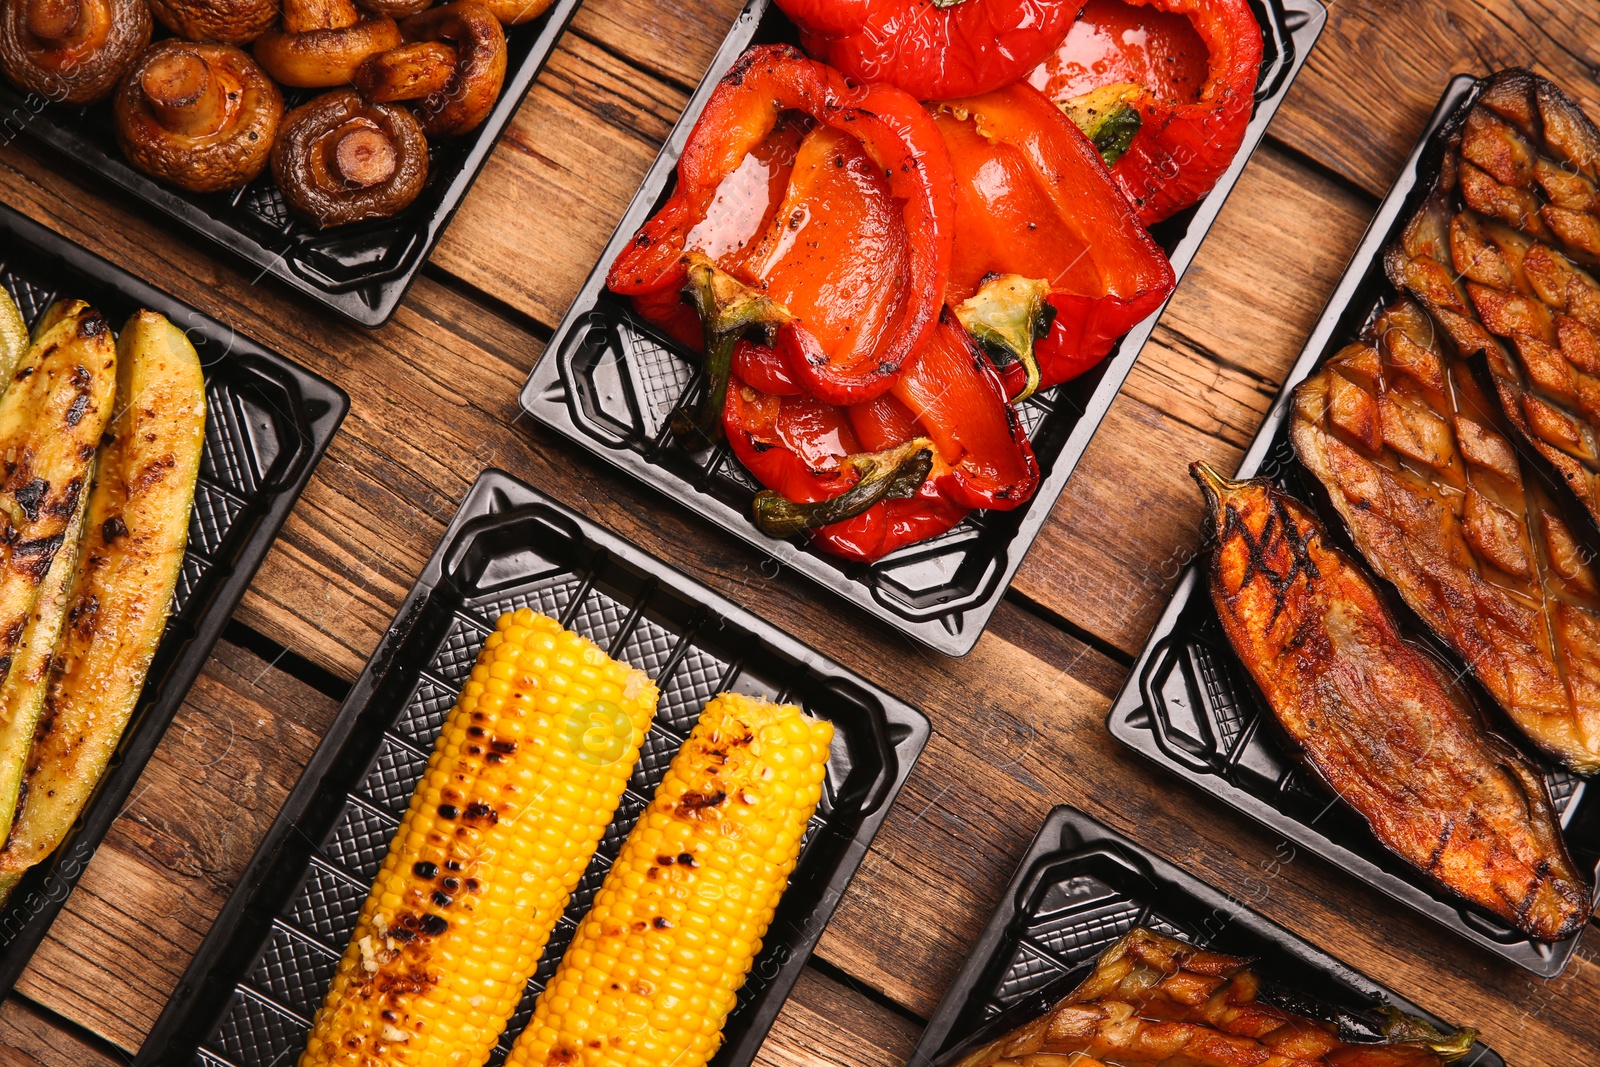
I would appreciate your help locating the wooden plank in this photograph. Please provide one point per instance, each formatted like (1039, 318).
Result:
(1199, 391)
(671, 41)
(148, 897)
(827, 1024)
(1380, 67)
(553, 189)
(29, 1038)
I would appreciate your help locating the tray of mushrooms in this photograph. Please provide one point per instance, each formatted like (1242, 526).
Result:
(328, 142)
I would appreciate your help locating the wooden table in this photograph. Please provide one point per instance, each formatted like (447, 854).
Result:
(1018, 723)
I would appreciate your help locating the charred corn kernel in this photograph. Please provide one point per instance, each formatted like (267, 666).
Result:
(526, 774)
(655, 966)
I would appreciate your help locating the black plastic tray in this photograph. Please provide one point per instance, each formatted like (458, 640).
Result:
(268, 422)
(611, 383)
(1189, 705)
(247, 998)
(1082, 885)
(360, 271)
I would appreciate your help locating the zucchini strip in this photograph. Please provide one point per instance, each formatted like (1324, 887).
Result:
(13, 336)
(134, 534)
(51, 417)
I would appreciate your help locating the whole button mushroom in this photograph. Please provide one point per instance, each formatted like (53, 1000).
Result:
(454, 65)
(201, 116)
(321, 42)
(224, 21)
(71, 51)
(342, 159)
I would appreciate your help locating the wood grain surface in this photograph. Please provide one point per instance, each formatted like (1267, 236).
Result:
(1018, 723)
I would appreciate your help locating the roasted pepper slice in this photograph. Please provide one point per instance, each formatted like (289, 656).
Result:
(823, 464)
(933, 49)
(1187, 67)
(1034, 201)
(786, 226)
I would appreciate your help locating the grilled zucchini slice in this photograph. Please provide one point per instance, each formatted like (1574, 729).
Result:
(51, 417)
(13, 336)
(134, 534)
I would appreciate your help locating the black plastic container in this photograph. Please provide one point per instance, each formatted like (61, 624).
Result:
(247, 997)
(1190, 706)
(610, 382)
(1082, 885)
(268, 422)
(360, 271)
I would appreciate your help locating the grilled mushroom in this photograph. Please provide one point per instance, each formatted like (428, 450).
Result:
(454, 64)
(396, 9)
(71, 51)
(341, 159)
(321, 42)
(201, 116)
(227, 21)
(515, 12)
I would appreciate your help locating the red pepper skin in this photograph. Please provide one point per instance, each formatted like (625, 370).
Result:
(1183, 148)
(959, 402)
(1033, 197)
(899, 138)
(792, 444)
(933, 52)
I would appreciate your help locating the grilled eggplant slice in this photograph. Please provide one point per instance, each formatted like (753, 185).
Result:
(1417, 460)
(134, 533)
(1498, 254)
(1154, 1001)
(1378, 719)
(51, 418)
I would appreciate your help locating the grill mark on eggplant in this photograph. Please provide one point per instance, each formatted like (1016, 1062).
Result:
(1379, 721)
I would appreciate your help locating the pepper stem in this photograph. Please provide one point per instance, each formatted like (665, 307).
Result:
(1108, 117)
(1005, 317)
(1400, 1028)
(728, 310)
(893, 474)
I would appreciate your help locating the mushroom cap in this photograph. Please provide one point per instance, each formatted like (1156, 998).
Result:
(234, 139)
(324, 58)
(516, 12)
(227, 21)
(341, 159)
(99, 40)
(480, 45)
(396, 9)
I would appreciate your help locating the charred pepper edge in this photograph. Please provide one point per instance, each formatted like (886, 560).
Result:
(893, 474)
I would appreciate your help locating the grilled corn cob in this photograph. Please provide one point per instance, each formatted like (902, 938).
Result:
(527, 773)
(655, 966)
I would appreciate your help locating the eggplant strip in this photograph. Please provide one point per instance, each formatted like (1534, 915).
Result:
(1498, 256)
(1154, 1001)
(1378, 719)
(1418, 461)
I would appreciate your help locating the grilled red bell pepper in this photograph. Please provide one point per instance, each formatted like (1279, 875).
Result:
(1181, 73)
(1041, 231)
(833, 201)
(933, 49)
(945, 431)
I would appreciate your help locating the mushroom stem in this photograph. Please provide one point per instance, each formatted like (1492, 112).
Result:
(184, 97)
(305, 16)
(364, 157)
(53, 20)
(410, 72)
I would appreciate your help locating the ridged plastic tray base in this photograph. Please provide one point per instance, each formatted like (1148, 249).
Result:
(248, 997)
(268, 422)
(1189, 706)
